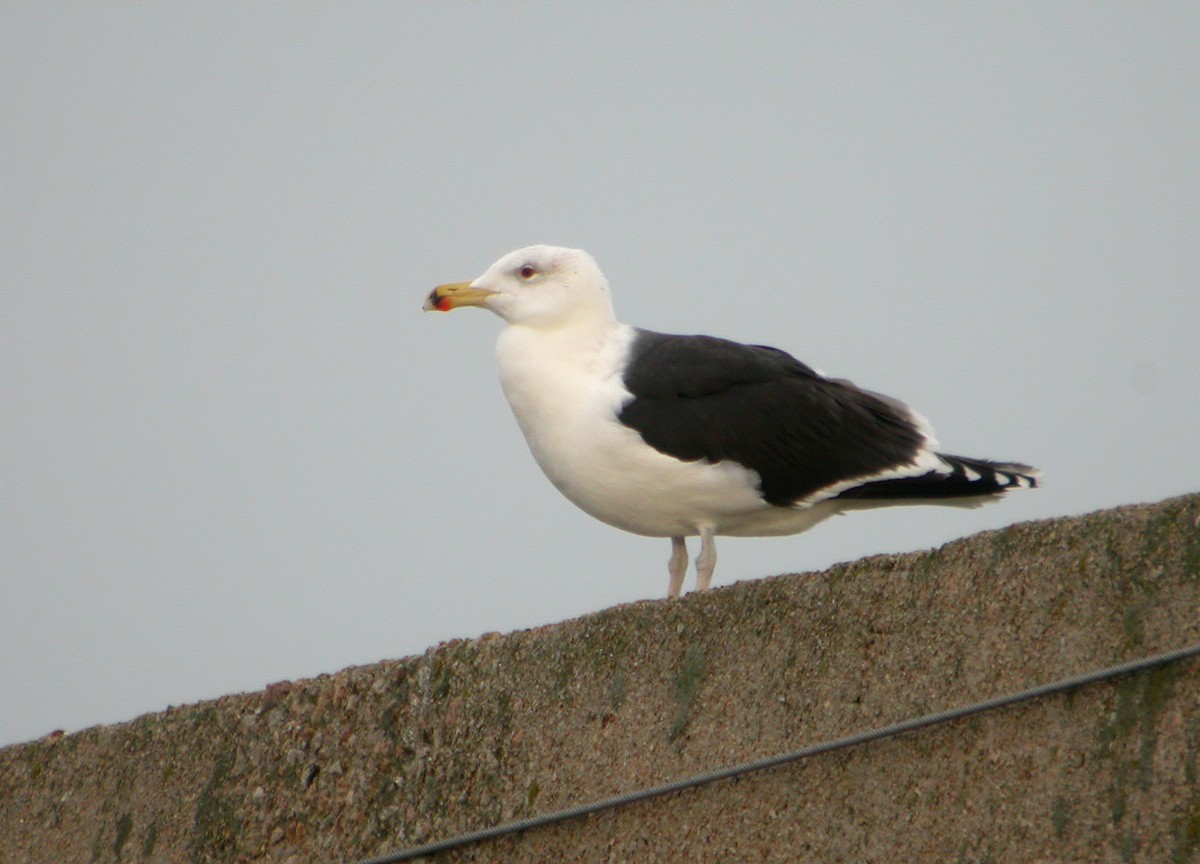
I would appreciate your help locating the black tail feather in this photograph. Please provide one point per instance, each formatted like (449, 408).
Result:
(962, 477)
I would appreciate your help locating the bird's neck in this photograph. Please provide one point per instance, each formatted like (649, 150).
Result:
(579, 343)
(547, 365)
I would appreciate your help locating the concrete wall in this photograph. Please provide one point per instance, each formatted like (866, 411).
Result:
(476, 732)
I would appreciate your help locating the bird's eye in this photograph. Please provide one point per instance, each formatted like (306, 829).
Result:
(528, 271)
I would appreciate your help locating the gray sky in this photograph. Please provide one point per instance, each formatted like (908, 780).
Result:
(234, 449)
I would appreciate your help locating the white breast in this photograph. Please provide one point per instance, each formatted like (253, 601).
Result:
(566, 392)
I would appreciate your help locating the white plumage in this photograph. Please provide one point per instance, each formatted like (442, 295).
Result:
(676, 436)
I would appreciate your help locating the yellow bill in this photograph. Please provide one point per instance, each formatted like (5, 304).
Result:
(443, 298)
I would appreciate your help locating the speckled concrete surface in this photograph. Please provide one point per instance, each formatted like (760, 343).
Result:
(477, 732)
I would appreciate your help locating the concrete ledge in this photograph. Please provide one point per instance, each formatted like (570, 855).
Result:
(477, 732)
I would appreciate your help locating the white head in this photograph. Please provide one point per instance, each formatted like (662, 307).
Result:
(538, 286)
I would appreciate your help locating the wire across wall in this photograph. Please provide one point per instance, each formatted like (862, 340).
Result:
(913, 724)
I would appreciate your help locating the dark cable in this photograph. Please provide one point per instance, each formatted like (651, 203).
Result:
(910, 725)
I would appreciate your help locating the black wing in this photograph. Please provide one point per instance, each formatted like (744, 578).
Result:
(699, 397)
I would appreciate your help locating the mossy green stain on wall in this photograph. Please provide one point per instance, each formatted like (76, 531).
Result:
(150, 840)
(216, 825)
(1141, 701)
(124, 828)
(1193, 748)
(1124, 715)
(439, 685)
(1129, 847)
(1160, 540)
(500, 719)
(1157, 690)
(565, 677)
(1133, 624)
(1060, 816)
(617, 692)
(1004, 543)
(1185, 834)
(687, 684)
